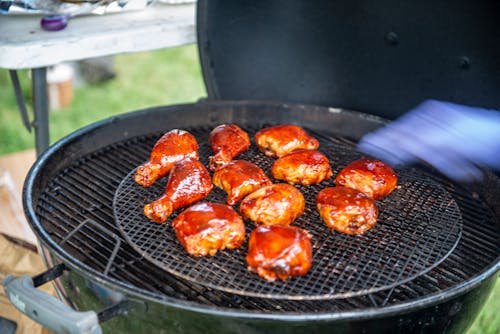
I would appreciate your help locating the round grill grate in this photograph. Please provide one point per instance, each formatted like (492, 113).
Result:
(418, 226)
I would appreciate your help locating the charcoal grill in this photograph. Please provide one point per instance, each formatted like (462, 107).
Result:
(76, 194)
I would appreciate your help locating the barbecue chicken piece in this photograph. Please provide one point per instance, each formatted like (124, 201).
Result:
(239, 178)
(188, 182)
(347, 210)
(304, 167)
(279, 252)
(280, 140)
(205, 228)
(227, 141)
(277, 204)
(172, 147)
(373, 177)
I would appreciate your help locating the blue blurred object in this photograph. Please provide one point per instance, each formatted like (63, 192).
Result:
(455, 139)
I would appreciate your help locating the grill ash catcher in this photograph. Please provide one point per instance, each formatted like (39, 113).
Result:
(339, 69)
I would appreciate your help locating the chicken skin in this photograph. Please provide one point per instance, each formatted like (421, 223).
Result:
(373, 177)
(205, 228)
(188, 182)
(277, 204)
(227, 142)
(346, 210)
(279, 252)
(239, 178)
(172, 147)
(304, 167)
(278, 141)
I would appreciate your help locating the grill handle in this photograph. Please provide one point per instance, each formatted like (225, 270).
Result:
(46, 309)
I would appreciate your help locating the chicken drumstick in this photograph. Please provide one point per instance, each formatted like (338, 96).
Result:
(227, 141)
(239, 178)
(189, 182)
(172, 147)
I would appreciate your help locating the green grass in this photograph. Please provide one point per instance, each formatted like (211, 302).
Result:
(143, 80)
(12, 136)
(488, 320)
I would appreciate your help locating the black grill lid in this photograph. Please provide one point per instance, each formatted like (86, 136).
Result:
(378, 57)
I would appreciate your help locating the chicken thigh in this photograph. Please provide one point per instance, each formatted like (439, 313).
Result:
(279, 252)
(346, 210)
(188, 182)
(373, 177)
(277, 204)
(205, 228)
(304, 167)
(277, 141)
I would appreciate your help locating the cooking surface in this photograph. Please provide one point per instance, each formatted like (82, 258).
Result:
(73, 210)
(418, 226)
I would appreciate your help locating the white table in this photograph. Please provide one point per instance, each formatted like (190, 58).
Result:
(24, 45)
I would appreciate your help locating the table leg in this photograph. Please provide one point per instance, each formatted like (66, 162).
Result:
(41, 109)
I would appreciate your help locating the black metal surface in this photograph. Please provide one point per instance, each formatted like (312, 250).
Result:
(77, 179)
(48, 275)
(20, 100)
(41, 109)
(7, 326)
(419, 225)
(381, 57)
(113, 311)
(147, 316)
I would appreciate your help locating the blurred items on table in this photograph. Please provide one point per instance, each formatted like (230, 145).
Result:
(70, 7)
(57, 13)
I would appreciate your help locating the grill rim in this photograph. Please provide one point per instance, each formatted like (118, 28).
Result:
(34, 180)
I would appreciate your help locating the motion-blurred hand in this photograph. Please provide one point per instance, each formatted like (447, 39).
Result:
(455, 139)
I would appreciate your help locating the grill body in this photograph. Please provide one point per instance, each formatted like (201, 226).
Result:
(68, 201)
(153, 315)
